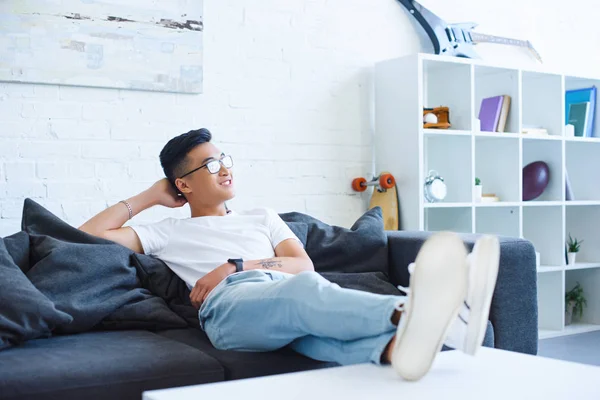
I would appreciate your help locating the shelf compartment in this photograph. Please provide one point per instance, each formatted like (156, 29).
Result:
(449, 85)
(551, 153)
(456, 219)
(550, 301)
(571, 83)
(582, 163)
(497, 165)
(583, 223)
(542, 102)
(543, 227)
(450, 156)
(492, 81)
(502, 221)
(589, 279)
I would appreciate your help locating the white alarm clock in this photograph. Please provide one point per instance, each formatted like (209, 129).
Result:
(434, 187)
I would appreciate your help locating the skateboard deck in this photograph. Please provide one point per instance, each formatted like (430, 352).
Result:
(385, 195)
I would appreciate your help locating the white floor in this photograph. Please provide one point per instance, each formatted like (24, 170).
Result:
(583, 348)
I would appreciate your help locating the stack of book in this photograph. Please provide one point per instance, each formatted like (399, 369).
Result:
(494, 113)
(580, 107)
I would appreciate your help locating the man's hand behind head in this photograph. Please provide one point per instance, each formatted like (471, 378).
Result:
(164, 194)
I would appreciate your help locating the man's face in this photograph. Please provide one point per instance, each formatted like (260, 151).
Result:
(207, 188)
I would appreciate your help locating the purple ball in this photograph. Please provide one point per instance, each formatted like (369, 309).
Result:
(535, 179)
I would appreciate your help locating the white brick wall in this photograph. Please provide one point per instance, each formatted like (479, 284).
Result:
(286, 92)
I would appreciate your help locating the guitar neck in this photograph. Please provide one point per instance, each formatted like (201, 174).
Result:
(482, 38)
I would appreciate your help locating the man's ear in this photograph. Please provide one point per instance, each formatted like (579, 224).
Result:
(182, 186)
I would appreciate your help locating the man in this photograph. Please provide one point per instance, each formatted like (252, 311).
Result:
(256, 289)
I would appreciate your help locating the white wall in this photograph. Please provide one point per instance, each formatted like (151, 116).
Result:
(287, 92)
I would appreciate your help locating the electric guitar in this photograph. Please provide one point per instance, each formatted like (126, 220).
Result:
(457, 39)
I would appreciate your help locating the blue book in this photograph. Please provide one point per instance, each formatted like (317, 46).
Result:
(579, 115)
(582, 96)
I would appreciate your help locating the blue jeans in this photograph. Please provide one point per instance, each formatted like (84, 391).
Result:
(261, 310)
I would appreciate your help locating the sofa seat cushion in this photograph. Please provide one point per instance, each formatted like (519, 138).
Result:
(102, 365)
(242, 364)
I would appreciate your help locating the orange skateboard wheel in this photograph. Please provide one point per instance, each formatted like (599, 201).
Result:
(358, 184)
(387, 181)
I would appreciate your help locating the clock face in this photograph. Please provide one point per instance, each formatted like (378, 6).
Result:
(438, 189)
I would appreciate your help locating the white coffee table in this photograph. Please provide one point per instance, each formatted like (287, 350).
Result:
(492, 374)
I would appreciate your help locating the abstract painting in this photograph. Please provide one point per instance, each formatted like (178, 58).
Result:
(129, 44)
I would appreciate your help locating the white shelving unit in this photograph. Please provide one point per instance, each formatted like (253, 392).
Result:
(405, 85)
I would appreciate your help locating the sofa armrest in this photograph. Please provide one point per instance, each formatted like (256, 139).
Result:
(514, 310)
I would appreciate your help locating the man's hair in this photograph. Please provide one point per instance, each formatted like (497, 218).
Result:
(173, 157)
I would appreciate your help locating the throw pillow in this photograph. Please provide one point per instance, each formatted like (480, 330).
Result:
(18, 248)
(372, 282)
(90, 278)
(157, 277)
(362, 248)
(25, 313)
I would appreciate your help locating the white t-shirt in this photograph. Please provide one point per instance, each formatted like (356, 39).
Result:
(192, 247)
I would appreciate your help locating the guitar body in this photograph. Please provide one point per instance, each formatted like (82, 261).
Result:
(439, 32)
(455, 40)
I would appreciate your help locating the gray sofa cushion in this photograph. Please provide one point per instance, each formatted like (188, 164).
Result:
(159, 279)
(362, 248)
(372, 282)
(102, 365)
(18, 248)
(25, 313)
(245, 364)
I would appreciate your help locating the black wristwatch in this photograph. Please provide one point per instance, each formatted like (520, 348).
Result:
(238, 262)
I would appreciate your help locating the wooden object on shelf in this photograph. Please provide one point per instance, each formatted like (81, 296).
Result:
(503, 113)
(443, 117)
(489, 198)
(535, 131)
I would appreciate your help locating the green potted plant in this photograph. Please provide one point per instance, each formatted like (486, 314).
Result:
(478, 190)
(574, 303)
(573, 246)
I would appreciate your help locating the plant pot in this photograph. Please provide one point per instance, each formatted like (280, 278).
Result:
(477, 194)
(571, 258)
(569, 312)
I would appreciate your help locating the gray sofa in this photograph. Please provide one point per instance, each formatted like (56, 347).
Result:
(121, 364)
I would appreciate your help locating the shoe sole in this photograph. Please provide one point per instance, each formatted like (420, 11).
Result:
(441, 269)
(486, 259)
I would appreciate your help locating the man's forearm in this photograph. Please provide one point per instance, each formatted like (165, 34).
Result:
(115, 216)
(291, 265)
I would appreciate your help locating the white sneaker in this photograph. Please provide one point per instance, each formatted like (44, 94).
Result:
(438, 288)
(468, 330)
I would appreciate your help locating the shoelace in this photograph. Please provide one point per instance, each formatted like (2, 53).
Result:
(411, 269)
(405, 290)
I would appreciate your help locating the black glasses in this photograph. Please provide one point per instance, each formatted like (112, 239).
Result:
(214, 166)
